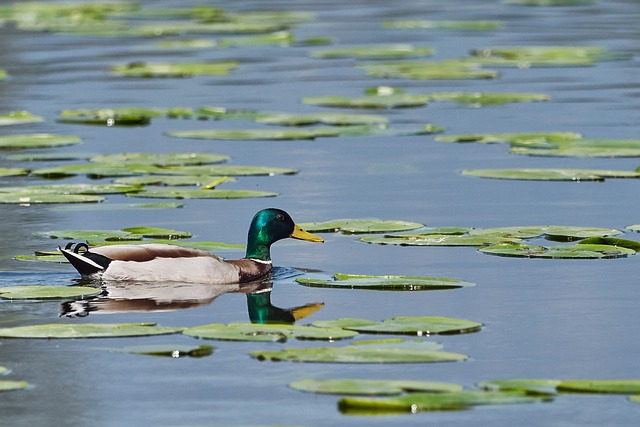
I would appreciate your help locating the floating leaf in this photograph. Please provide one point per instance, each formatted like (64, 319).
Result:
(168, 350)
(420, 326)
(634, 227)
(128, 116)
(359, 354)
(186, 44)
(25, 198)
(393, 51)
(436, 240)
(47, 157)
(266, 332)
(86, 330)
(541, 56)
(46, 292)
(179, 193)
(66, 189)
(3, 73)
(372, 387)
(36, 140)
(97, 170)
(418, 402)
(530, 386)
(487, 98)
(555, 232)
(321, 118)
(583, 147)
(579, 251)
(161, 159)
(358, 226)
(491, 138)
(549, 174)
(227, 170)
(600, 386)
(400, 100)
(549, 2)
(13, 172)
(423, 24)
(428, 70)
(391, 283)
(157, 233)
(168, 69)
(19, 117)
(7, 385)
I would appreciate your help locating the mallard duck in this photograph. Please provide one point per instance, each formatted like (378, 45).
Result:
(171, 263)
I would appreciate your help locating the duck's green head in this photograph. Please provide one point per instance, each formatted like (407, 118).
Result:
(270, 225)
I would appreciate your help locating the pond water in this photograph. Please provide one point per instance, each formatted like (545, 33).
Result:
(559, 318)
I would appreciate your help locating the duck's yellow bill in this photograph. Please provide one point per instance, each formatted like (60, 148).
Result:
(299, 233)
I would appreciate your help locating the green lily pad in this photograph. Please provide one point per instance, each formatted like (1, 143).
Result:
(529, 386)
(186, 44)
(549, 174)
(393, 51)
(554, 232)
(398, 100)
(429, 70)
(94, 170)
(36, 140)
(207, 246)
(13, 172)
(168, 350)
(69, 189)
(419, 402)
(360, 354)
(266, 332)
(25, 198)
(458, 25)
(541, 56)
(634, 227)
(45, 292)
(126, 116)
(420, 326)
(368, 387)
(583, 147)
(390, 283)
(19, 118)
(174, 180)
(437, 240)
(87, 330)
(612, 241)
(360, 226)
(487, 98)
(277, 38)
(8, 385)
(579, 251)
(179, 193)
(47, 157)
(321, 118)
(161, 159)
(492, 138)
(158, 233)
(3, 73)
(227, 170)
(168, 69)
(600, 386)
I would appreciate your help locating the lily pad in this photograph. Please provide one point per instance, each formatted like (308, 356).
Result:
(168, 69)
(24, 198)
(437, 240)
(398, 100)
(529, 386)
(418, 402)
(549, 2)
(549, 174)
(8, 385)
(179, 193)
(266, 332)
(554, 232)
(360, 226)
(393, 51)
(168, 350)
(275, 38)
(69, 189)
(158, 233)
(127, 116)
(579, 251)
(36, 140)
(46, 292)
(487, 98)
(13, 172)
(321, 118)
(634, 227)
(387, 283)
(19, 118)
(612, 241)
(600, 386)
(583, 147)
(161, 159)
(457, 25)
(174, 180)
(542, 56)
(86, 330)
(492, 138)
(227, 170)
(3, 73)
(360, 354)
(368, 387)
(429, 70)
(421, 326)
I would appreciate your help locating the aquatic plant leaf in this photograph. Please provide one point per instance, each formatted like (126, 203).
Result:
(186, 44)
(256, 134)
(556, 232)
(634, 227)
(207, 246)
(579, 251)
(321, 118)
(227, 170)
(550, 174)
(360, 225)
(397, 100)
(157, 233)
(45, 292)
(275, 38)
(174, 180)
(8, 385)
(266, 332)
(25, 198)
(168, 69)
(3, 73)
(125, 116)
(179, 193)
(161, 159)
(108, 235)
(541, 56)
(583, 147)
(358, 354)
(429, 70)
(421, 326)
(95, 170)
(63, 189)
(437, 240)
(391, 283)
(19, 118)
(487, 98)
(600, 386)
(242, 27)
(168, 350)
(508, 137)
(529, 386)
(13, 172)
(549, 2)
(458, 25)
(86, 330)
(36, 140)
(418, 402)
(369, 387)
(47, 157)
(391, 51)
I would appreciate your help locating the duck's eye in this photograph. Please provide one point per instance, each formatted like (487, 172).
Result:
(280, 217)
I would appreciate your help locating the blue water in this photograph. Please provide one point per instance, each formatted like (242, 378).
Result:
(543, 318)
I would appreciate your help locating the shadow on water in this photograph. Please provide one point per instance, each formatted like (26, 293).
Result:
(128, 297)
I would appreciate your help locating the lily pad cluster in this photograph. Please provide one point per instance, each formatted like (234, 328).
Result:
(384, 283)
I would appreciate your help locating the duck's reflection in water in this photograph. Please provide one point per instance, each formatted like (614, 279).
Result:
(123, 297)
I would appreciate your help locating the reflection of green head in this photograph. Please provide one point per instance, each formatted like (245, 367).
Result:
(262, 311)
(267, 227)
